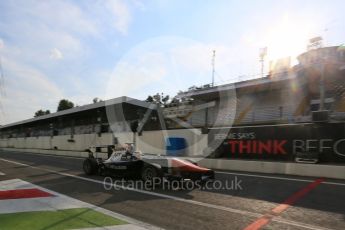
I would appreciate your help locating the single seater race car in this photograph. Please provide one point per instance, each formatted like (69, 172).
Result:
(127, 163)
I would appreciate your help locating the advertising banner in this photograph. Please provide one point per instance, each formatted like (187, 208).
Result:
(284, 142)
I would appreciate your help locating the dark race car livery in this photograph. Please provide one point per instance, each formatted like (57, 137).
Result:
(146, 167)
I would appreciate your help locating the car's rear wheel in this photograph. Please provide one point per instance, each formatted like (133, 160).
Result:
(89, 167)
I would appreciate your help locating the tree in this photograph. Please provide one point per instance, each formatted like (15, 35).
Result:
(175, 100)
(158, 99)
(165, 99)
(149, 99)
(41, 113)
(96, 100)
(65, 104)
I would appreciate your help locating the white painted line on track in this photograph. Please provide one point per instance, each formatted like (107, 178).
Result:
(199, 203)
(53, 203)
(277, 178)
(2, 174)
(105, 211)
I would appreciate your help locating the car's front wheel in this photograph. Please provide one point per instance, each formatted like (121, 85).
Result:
(89, 167)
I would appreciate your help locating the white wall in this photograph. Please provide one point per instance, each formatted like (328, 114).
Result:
(4, 143)
(150, 142)
(81, 142)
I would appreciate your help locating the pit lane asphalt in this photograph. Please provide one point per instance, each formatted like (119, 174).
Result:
(322, 208)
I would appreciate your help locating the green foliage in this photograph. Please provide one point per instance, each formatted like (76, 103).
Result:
(41, 113)
(158, 99)
(96, 100)
(165, 99)
(149, 99)
(65, 104)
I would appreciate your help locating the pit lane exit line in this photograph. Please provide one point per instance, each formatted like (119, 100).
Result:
(207, 205)
(267, 218)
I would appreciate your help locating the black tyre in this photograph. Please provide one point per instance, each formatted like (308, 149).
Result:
(149, 173)
(89, 167)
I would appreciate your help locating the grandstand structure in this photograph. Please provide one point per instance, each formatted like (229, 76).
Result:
(287, 96)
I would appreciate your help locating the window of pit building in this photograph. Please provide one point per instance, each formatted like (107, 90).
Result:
(105, 128)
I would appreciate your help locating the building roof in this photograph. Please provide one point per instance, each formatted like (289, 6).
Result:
(114, 101)
(239, 85)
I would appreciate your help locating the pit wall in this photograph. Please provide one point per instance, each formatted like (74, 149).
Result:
(149, 142)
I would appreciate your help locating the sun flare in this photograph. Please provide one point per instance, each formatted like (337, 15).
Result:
(287, 39)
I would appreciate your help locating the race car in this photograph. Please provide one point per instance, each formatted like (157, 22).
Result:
(128, 163)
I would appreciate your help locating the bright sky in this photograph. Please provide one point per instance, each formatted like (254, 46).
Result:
(79, 50)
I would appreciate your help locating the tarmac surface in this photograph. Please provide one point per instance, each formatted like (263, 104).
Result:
(236, 200)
